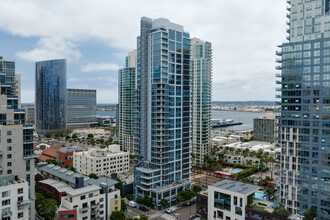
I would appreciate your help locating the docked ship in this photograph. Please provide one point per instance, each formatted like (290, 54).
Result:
(216, 123)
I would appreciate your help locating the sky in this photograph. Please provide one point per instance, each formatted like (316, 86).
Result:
(95, 36)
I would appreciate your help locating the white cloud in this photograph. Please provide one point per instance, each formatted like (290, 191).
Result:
(244, 34)
(93, 67)
(51, 48)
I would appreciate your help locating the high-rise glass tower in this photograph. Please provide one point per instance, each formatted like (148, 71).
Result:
(16, 141)
(305, 108)
(201, 98)
(163, 110)
(51, 93)
(126, 96)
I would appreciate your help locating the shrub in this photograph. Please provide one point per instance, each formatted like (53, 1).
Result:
(263, 204)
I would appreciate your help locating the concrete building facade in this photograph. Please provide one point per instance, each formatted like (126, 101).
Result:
(16, 138)
(101, 162)
(265, 128)
(15, 199)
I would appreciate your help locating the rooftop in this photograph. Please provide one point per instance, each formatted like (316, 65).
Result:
(58, 185)
(70, 176)
(236, 187)
(73, 148)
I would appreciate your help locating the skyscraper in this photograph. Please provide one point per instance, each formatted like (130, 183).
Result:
(163, 110)
(51, 93)
(16, 140)
(81, 108)
(126, 96)
(305, 108)
(201, 98)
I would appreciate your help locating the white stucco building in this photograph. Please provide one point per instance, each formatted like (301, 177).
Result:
(101, 161)
(14, 194)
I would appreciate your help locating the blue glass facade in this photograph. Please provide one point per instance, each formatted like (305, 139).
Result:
(81, 106)
(163, 110)
(51, 95)
(305, 125)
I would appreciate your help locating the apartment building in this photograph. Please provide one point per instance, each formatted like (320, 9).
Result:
(101, 161)
(81, 197)
(15, 200)
(264, 128)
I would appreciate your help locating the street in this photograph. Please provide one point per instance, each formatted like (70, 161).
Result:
(182, 213)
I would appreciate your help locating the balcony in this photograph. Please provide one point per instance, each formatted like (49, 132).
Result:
(278, 82)
(288, 30)
(288, 8)
(30, 156)
(288, 1)
(278, 60)
(279, 53)
(288, 37)
(288, 15)
(288, 23)
(278, 75)
(6, 214)
(278, 67)
(278, 89)
(24, 202)
(278, 96)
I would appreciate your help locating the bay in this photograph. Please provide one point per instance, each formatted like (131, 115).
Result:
(245, 117)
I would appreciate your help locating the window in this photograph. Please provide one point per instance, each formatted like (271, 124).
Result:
(20, 215)
(90, 195)
(8, 132)
(68, 216)
(9, 171)
(116, 202)
(8, 148)
(5, 194)
(6, 202)
(9, 140)
(8, 156)
(20, 191)
(82, 197)
(8, 164)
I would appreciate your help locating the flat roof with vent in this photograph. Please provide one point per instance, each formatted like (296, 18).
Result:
(236, 187)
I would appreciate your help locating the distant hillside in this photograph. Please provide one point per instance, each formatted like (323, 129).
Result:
(243, 103)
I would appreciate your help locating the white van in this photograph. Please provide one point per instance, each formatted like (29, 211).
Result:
(171, 209)
(132, 204)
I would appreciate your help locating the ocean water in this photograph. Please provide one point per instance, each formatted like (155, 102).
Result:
(245, 117)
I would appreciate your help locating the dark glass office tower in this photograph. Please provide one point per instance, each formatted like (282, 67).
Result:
(51, 93)
(162, 135)
(305, 108)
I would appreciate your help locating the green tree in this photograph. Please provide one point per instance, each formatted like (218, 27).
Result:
(50, 161)
(164, 203)
(38, 177)
(143, 217)
(93, 176)
(196, 188)
(118, 215)
(281, 211)
(310, 214)
(45, 207)
(89, 136)
(129, 196)
(119, 184)
(148, 201)
(123, 205)
(71, 167)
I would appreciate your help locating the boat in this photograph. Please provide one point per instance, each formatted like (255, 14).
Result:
(216, 123)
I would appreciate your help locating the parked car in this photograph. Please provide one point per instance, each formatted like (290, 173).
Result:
(132, 204)
(171, 209)
(142, 208)
(146, 214)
